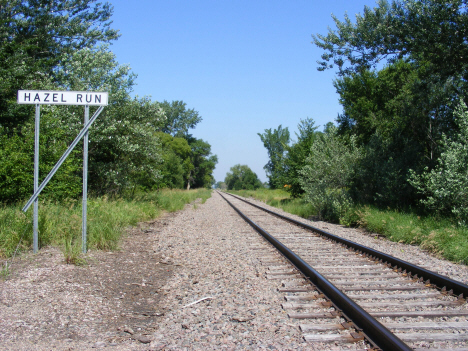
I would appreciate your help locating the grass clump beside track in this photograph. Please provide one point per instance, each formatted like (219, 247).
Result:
(440, 236)
(60, 223)
(437, 235)
(281, 199)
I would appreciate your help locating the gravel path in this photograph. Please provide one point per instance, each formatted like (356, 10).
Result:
(242, 309)
(214, 296)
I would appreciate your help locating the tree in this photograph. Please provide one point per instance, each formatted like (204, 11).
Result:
(220, 185)
(62, 45)
(396, 100)
(176, 160)
(445, 188)
(124, 151)
(400, 113)
(179, 119)
(36, 38)
(297, 153)
(276, 143)
(431, 31)
(17, 161)
(97, 69)
(328, 172)
(203, 163)
(242, 177)
(424, 42)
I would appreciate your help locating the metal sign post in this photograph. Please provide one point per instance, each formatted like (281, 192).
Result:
(85, 182)
(42, 97)
(36, 179)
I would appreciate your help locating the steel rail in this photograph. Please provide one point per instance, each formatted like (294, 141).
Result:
(434, 278)
(374, 330)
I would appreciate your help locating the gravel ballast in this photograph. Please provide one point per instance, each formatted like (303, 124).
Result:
(212, 293)
(188, 281)
(411, 253)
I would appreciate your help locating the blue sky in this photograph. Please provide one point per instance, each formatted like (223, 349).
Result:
(244, 65)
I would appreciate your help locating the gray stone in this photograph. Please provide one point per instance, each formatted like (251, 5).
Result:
(99, 344)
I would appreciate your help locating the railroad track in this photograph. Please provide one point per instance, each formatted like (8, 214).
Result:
(348, 294)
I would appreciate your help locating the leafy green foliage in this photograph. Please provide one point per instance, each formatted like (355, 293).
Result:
(96, 69)
(17, 163)
(378, 102)
(400, 109)
(124, 151)
(327, 174)
(176, 164)
(398, 116)
(62, 45)
(36, 37)
(427, 31)
(297, 154)
(276, 143)
(242, 177)
(179, 119)
(381, 173)
(201, 175)
(220, 185)
(445, 188)
(400, 113)
(186, 159)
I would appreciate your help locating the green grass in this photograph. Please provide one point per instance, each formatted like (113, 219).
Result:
(175, 200)
(265, 195)
(281, 199)
(60, 223)
(440, 236)
(437, 235)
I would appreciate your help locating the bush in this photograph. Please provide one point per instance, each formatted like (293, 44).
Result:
(327, 174)
(445, 188)
(17, 161)
(334, 205)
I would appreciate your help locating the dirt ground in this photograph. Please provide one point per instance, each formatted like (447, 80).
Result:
(112, 301)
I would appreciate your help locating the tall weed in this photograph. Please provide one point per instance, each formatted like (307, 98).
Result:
(13, 225)
(60, 222)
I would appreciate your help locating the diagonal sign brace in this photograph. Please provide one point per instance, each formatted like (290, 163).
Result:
(62, 159)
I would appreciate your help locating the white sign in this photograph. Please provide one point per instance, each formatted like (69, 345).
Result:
(44, 97)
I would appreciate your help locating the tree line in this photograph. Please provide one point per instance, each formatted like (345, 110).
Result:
(402, 138)
(135, 144)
